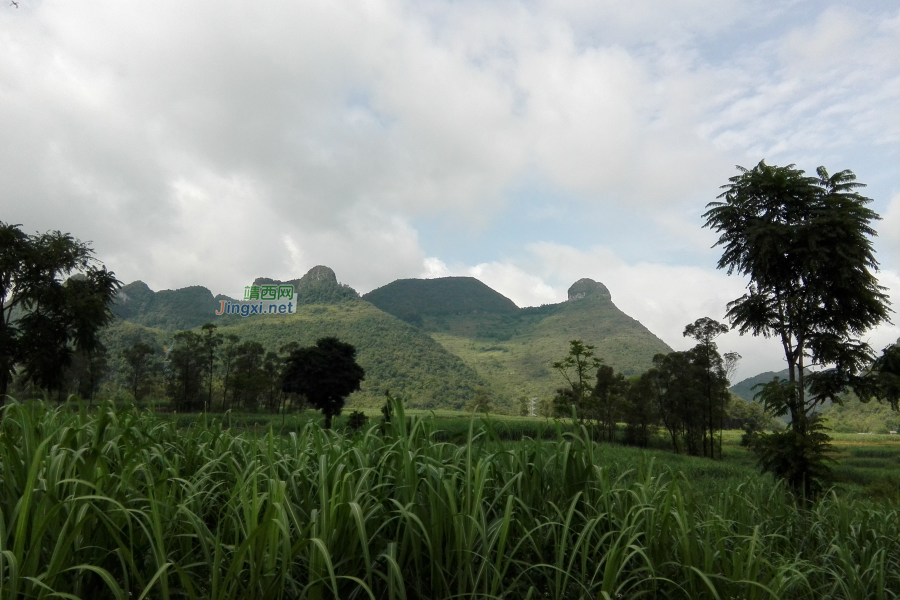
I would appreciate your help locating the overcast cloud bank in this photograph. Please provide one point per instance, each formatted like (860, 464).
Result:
(526, 143)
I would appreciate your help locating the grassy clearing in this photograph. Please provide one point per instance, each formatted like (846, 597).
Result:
(123, 504)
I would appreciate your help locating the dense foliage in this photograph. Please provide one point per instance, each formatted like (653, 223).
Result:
(395, 356)
(121, 504)
(686, 393)
(487, 341)
(325, 374)
(514, 352)
(54, 298)
(805, 243)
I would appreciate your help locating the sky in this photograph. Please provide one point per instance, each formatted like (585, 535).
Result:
(525, 143)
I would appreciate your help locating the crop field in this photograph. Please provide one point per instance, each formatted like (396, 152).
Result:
(865, 465)
(120, 503)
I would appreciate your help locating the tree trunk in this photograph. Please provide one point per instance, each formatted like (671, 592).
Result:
(209, 397)
(791, 359)
(709, 401)
(801, 393)
(4, 385)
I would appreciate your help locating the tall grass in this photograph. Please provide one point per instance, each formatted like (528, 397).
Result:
(122, 504)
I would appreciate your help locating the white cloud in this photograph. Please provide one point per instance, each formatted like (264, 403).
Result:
(889, 226)
(519, 286)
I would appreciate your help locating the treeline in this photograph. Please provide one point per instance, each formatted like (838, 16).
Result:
(685, 395)
(206, 370)
(395, 356)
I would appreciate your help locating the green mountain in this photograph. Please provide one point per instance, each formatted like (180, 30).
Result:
(414, 299)
(395, 355)
(432, 341)
(513, 348)
(186, 308)
(744, 388)
(171, 310)
(318, 286)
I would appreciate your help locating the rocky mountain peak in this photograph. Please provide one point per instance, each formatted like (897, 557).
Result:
(588, 288)
(319, 273)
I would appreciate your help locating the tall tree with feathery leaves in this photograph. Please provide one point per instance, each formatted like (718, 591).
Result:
(805, 243)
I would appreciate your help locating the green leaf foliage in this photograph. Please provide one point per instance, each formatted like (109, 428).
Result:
(55, 297)
(325, 374)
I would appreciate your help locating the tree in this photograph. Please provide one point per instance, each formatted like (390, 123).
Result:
(54, 299)
(715, 381)
(137, 358)
(805, 244)
(885, 376)
(606, 402)
(229, 352)
(357, 420)
(677, 381)
(524, 406)
(209, 345)
(325, 374)
(578, 368)
(185, 370)
(297, 401)
(481, 401)
(272, 367)
(249, 381)
(749, 416)
(84, 373)
(640, 414)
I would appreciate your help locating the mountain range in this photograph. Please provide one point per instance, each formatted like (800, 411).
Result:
(431, 341)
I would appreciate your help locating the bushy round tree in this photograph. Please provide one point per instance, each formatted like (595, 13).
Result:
(325, 374)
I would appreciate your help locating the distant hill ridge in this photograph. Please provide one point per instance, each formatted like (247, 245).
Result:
(413, 299)
(189, 307)
(395, 356)
(171, 310)
(464, 334)
(513, 347)
(318, 286)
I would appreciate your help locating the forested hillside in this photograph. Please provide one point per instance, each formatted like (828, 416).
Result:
(513, 348)
(744, 388)
(415, 299)
(395, 355)
(170, 310)
(318, 286)
(458, 333)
